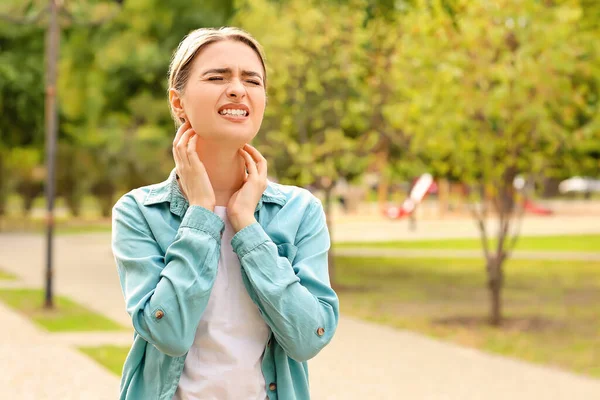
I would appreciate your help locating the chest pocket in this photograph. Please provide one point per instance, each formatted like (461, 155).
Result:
(288, 251)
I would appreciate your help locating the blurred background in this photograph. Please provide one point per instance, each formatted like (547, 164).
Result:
(455, 146)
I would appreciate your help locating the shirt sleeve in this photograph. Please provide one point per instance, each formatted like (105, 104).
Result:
(166, 294)
(296, 301)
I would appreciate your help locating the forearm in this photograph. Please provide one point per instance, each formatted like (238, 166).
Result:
(166, 297)
(302, 313)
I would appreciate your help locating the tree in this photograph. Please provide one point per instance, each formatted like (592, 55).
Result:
(113, 89)
(490, 98)
(21, 96)
(313, 133)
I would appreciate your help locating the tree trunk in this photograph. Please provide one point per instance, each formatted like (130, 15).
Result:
(74, 202)
(3, 201)
(330, 256)
(495, 283)
(3, 186)
(443, 196)
(106, 204)
(383, 185)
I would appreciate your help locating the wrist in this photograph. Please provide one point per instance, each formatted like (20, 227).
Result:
(209, 207)
(239, 223)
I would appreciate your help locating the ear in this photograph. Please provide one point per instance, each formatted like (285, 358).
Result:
(177, 104)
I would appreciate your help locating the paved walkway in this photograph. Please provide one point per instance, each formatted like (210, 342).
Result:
(363, 361)
(36, 367)
(351, 228)
(433, 253)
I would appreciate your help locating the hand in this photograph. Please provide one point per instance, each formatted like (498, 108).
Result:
(193, 178)
(241, 205)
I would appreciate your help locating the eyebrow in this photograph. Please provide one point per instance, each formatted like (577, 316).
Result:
(228, 71)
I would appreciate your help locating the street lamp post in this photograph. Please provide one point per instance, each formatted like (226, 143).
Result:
(51, 122)
(51, 115)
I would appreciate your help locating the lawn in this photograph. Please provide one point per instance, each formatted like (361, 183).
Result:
(589, 243)
(111, 357)
(551, 308)
(5, 276)
(67, 315)
(63, 226)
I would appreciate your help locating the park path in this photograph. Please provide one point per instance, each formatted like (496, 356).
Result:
(434, 253)
(36, 367)
(363, 361)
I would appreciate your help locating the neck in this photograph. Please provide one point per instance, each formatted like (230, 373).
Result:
(225, 168)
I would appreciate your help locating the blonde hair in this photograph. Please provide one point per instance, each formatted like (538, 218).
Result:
(193, 43)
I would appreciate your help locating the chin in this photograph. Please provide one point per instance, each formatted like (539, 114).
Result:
(237, 139)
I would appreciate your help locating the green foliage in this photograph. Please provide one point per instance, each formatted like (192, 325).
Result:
(115, 127)
(471, 91)
(315, 128)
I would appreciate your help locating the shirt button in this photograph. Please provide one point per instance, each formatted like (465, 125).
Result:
(272, 386)
(159, 314)
(320, 331)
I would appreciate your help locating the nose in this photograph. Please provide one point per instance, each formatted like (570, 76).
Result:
(236, 90)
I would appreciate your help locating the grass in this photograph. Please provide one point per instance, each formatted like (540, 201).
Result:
(89, 221)
(63, 226)
(589, 243)
(67, 315)
(6, 276)
(551, 308)
(111, 357)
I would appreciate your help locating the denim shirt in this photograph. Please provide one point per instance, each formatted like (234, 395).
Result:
(167, 254)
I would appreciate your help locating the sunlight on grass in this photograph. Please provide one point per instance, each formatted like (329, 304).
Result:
(6, 276)
(67, 315)
(110, 357)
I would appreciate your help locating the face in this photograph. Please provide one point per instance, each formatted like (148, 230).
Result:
(224, 98)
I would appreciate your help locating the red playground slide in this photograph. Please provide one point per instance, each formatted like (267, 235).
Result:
(417, 194)
(424, 184)
(537, 209)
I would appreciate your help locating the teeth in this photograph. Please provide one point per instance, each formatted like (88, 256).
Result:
(234, 112)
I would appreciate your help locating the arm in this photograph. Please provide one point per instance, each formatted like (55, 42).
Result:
(166, 295)
(297, 300)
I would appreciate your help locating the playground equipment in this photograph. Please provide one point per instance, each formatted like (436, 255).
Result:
(422, 186)
(425, 185)
(536, 209)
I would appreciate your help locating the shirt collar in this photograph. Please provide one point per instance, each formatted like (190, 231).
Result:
(168, 191)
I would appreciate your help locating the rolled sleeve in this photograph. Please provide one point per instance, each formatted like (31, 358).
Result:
(248, 239)
(200, 218)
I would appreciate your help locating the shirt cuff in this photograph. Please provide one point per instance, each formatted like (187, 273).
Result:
(248, 239)
(197, 217)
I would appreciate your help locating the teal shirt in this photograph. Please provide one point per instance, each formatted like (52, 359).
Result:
(167, 254)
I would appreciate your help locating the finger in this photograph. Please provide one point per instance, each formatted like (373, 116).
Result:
(261, 161)
(177, 159)
(192, 154)
(182, 145)
(250, 164)
(184, 127)
(256, 156)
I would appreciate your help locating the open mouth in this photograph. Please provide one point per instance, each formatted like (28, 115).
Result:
(237, 113)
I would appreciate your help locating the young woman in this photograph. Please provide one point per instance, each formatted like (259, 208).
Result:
(224, 273)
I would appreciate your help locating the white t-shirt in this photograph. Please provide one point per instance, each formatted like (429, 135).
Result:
(225, 361)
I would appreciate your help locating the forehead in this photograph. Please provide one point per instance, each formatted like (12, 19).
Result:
(228, 54)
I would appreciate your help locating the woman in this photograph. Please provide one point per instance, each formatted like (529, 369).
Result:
(224, 273)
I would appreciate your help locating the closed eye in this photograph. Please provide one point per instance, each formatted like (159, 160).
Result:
(257, 83)
(215, 78)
